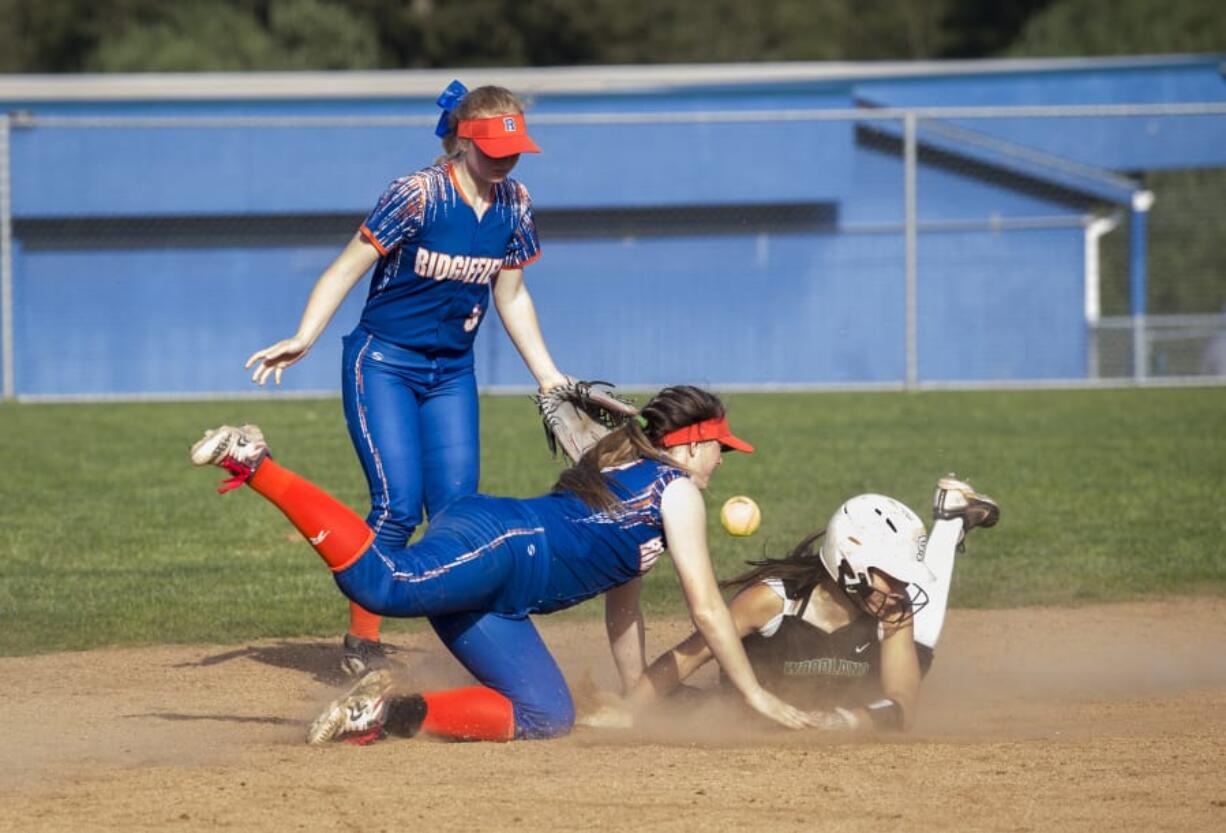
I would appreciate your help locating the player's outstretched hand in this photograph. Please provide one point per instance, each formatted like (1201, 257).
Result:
(273, 360)
(831, 720)
(770, 706)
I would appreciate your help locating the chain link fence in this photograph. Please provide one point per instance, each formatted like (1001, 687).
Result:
(749, 249)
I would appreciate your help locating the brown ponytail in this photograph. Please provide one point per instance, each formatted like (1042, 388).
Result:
(803, 565)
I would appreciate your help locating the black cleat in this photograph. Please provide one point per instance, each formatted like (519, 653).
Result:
(362, 655)
(955, 498)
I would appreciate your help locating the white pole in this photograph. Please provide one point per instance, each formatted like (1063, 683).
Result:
(910, 157)
(6, 260)
(1095, 229)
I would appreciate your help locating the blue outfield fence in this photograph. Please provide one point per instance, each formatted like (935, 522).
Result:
(151, 256)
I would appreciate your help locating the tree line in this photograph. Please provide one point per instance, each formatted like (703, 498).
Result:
(67, 36)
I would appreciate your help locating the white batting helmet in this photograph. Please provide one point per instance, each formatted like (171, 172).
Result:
(875, 532)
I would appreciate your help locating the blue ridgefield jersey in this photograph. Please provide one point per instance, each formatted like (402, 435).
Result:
(431, 287)
(592, 551)
(554, 550)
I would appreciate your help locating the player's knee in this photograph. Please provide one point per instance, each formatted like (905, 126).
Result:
(368, 583)
(543, 719)
(368, 598)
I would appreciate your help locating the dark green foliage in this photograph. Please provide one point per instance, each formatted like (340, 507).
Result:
(977, 28)
(1123, 27)
(150, 35)
(155, 36)
(47, 36)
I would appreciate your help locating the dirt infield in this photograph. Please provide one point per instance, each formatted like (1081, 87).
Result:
(1094, 719)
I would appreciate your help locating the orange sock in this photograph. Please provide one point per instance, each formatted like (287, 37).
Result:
(473, 713)
(334, 530)
(363, 623)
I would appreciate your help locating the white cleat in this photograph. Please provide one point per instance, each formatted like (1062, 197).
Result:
(955, 498)
(358, 717)
(237, 450)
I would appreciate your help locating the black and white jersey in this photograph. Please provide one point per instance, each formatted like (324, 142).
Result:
(812, 668)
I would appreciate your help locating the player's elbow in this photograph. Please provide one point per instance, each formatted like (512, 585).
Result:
(705, 618)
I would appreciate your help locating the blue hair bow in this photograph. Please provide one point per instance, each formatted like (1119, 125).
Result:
(448, 100)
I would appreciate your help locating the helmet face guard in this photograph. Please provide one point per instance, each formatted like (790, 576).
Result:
(888, 608)
(873, 535)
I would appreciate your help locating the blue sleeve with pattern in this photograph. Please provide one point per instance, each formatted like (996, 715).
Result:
(524, 247)
(397, 216)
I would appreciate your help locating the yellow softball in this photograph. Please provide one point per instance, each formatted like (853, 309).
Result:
(740, 516)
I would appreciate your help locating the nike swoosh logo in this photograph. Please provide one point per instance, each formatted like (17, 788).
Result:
(319, 539)
(862, 648)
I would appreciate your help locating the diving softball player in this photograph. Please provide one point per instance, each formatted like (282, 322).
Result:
(847, 622)
(438, 240)
(486, 563)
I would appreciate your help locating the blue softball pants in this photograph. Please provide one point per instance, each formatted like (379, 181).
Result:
(473, 581)
(413, 419)
(506, 653)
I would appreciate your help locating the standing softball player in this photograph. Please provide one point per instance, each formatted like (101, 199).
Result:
(486, 563)
(438, 239)
(847, 622)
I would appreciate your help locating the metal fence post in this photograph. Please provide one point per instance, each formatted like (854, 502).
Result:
(1142, 201)
(910, 158)
(6, 259)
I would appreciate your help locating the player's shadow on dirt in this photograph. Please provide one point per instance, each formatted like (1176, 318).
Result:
(225, 718)
(319, 659)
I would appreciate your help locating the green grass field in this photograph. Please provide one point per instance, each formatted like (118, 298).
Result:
(109, 537)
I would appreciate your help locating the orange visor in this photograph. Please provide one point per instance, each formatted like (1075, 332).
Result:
(498, 136)
(708, 429)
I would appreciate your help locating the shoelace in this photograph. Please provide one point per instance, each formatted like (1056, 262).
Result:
(365, 738)
(241, 475)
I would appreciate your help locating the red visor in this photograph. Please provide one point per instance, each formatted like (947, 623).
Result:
(708, 429)
(498, 136)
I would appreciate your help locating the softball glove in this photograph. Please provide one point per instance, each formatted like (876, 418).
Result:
(578, 414)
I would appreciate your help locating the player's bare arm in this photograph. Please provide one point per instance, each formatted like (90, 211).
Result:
(684, 517)
(330, 290)
(750, 609)
(624, 624)
(900, 671)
